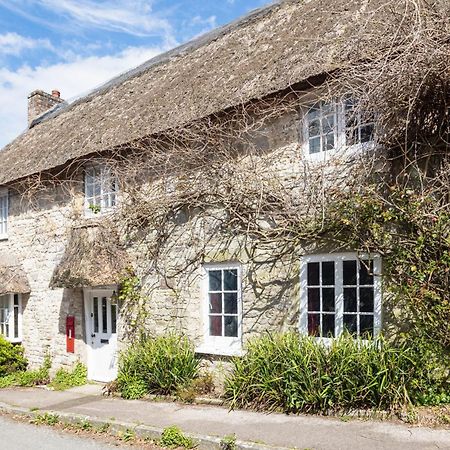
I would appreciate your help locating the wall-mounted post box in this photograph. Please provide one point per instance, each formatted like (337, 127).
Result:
(70, 334)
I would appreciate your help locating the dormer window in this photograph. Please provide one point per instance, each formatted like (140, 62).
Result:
(4, 212)
(100, 189)
(335, 126)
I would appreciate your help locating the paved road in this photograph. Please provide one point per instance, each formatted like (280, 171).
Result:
(23, 436)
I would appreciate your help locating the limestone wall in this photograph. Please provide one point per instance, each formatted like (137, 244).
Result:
(37, 233)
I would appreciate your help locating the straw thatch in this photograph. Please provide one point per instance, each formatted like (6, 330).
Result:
(265, 52)
(12, 277)
(92, 257)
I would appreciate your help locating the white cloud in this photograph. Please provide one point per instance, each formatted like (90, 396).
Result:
(14, 44)
(134, 17)
(72, 78)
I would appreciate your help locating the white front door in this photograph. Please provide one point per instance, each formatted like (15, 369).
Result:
(101, 334)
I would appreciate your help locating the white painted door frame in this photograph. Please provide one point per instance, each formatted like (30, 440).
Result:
(101, 333)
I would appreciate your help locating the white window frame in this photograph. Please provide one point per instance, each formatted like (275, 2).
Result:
(338, 259)
(220, 345)
(341, 147)
(4, 220)
(10, 318)
(105, 195)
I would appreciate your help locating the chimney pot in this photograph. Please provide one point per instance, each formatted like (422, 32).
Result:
(39, 102)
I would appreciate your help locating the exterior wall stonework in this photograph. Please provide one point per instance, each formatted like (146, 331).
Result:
(39, 233)
(37, 237)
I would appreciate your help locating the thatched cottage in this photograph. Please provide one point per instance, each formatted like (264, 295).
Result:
(90, 200)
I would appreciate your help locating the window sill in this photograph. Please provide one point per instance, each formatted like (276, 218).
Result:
(3, 237)
(89, 214)
(206, 349)
(344, 152)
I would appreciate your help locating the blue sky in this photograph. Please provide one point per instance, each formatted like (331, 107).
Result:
(76, 45)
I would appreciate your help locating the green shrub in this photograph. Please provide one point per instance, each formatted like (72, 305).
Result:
(173, 437)
(11, 358)
(65, 379)
(29, 377)
(293, 373)
(133, 388)
(163, 364)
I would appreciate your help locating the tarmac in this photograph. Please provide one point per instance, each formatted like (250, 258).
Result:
(209, 424)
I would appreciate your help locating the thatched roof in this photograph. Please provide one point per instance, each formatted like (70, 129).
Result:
(265, 52)
(92, 257)
(12, 277)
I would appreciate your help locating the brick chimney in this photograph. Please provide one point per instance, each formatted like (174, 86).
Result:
(39, 102)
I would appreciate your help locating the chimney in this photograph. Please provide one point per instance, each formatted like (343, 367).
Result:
(39, 102)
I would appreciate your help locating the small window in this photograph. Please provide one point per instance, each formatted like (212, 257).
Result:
(100, 189)
(222, 304)
(4, 206)
(332, 126)
(359, 127)
(322, 128)
(11, 317)
(340, 292)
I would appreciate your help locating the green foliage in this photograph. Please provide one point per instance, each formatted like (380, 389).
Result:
(228, 442)
(11, 358)
(173, 437)
(127, 435)
(29, 377)
(95, 208)
(410, 228)
(65, 379)
(163, 365)
(46, 419)
(299, 374)
(132, 387)
(134, 303)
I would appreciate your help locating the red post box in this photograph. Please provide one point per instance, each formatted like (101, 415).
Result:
(70, 334)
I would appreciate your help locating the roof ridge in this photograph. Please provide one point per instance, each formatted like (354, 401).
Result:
(162, 58)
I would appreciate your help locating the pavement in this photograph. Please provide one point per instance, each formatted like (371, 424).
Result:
(209, 424)
(23, 436)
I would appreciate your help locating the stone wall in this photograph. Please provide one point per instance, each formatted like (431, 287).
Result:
(37, 233)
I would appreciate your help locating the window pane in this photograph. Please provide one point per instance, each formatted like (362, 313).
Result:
(313, 299)
(104, 315)
(215, 280)
(366, 299)
(215, 325)
(328, 125)
(349, 273)
(366, 133)
(314, 324)
(230, 280)
(350, 323)
(231, 303)
(350, 300)
(215, 303)
(231, 326)
(313, 274)
(366, 326)
(329, 141)
(314, 145)
(16, 316)
(366, 272)
(328, 273)
(314, 128)
(328, 325)
(328, 299)
(113, 318)
(95, 315)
